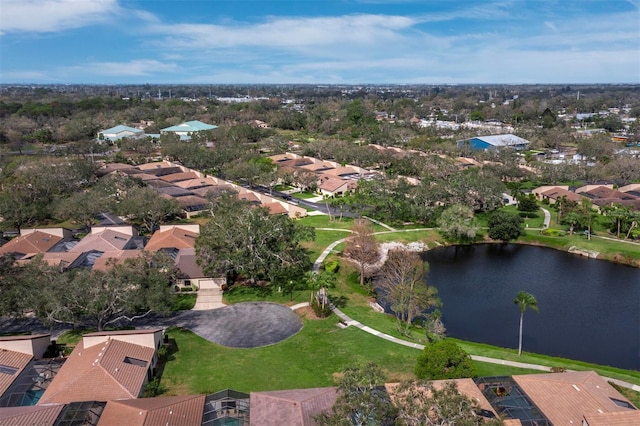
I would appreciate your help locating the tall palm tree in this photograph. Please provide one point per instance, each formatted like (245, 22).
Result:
(524, 300)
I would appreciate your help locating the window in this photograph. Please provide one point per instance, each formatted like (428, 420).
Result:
(135, 361)
(5, 369)
(621, 403)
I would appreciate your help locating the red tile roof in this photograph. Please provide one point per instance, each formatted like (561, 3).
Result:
(15, 360)
(30, 415)
(101, 372)
(296, 407)
(172, 238)
(106, 240)
(177, 177)
(171, 410)
(34, 242)
(556, 192)
(565, 398)
(115, 257)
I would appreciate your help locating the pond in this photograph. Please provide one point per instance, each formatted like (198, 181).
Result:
(589, 309)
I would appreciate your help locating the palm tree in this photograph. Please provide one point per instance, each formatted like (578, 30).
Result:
(524, 300)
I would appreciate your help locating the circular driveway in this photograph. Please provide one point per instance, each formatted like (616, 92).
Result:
(243, 325)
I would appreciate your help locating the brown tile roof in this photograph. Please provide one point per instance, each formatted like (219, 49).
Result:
(177, 177)
(14, 360)
(170, 410)
(618, 418)
(191, 201)
(557, 192)
(218, 189)
(196, 183)
(294, 162)
(115, 256)
(187, 264)
(172, 238)
(341, 171)
(334, 184)
(605, 192)
(565, 398)
(145, 177)
(106, 240)
(295, 407)
(275, 208)
(34, 242)
(318, 167)
(101, 372)
(156, 165)
(30, 415)
(62, 259)
(249, 196)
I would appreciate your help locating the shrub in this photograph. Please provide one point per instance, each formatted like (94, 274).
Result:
(319, 310)
(444, 360)
(332, 266)
(552, 232)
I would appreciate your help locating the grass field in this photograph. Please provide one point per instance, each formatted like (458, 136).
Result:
(310, 358)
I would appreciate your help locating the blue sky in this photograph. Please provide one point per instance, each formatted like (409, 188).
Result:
(319, 42)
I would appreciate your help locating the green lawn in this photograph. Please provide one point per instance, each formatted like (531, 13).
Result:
(304, 195)
(311, 358)
(308, 359)
(620, 251)
(323, 221)
(322, 241)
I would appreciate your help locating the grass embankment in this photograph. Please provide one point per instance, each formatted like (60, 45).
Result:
(617, 251)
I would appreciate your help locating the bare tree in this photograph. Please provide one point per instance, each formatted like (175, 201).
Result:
(422, 403)
(403, 282)
(362, 246)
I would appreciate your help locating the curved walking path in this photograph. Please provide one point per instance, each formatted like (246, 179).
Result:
(547, 217)
(351, 322)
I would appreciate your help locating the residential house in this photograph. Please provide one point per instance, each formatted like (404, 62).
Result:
(112, 238)
(553, 193)
(578, 398)
(178, 241)
(33, 241)
(23, 372)
(295, 407)
(106, 366)
(331, 187)
(168, 410)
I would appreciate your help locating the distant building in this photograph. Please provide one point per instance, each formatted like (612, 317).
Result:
(495, 142)
(185, 130)
(119, 132)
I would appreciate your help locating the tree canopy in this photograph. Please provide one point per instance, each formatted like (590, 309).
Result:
(505, 226)
(444, 360)
(241, 240)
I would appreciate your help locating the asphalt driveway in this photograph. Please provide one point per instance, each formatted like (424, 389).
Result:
(243, 325)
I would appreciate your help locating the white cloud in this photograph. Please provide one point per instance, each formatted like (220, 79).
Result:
(53, 15)
(287, 33)
(133, 68)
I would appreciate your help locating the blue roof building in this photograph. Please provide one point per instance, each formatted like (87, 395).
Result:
(495, 142)
(185, 129)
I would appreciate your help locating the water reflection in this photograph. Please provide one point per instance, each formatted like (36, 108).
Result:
(589, 309)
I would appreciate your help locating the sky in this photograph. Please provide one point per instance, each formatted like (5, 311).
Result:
(319, 42)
